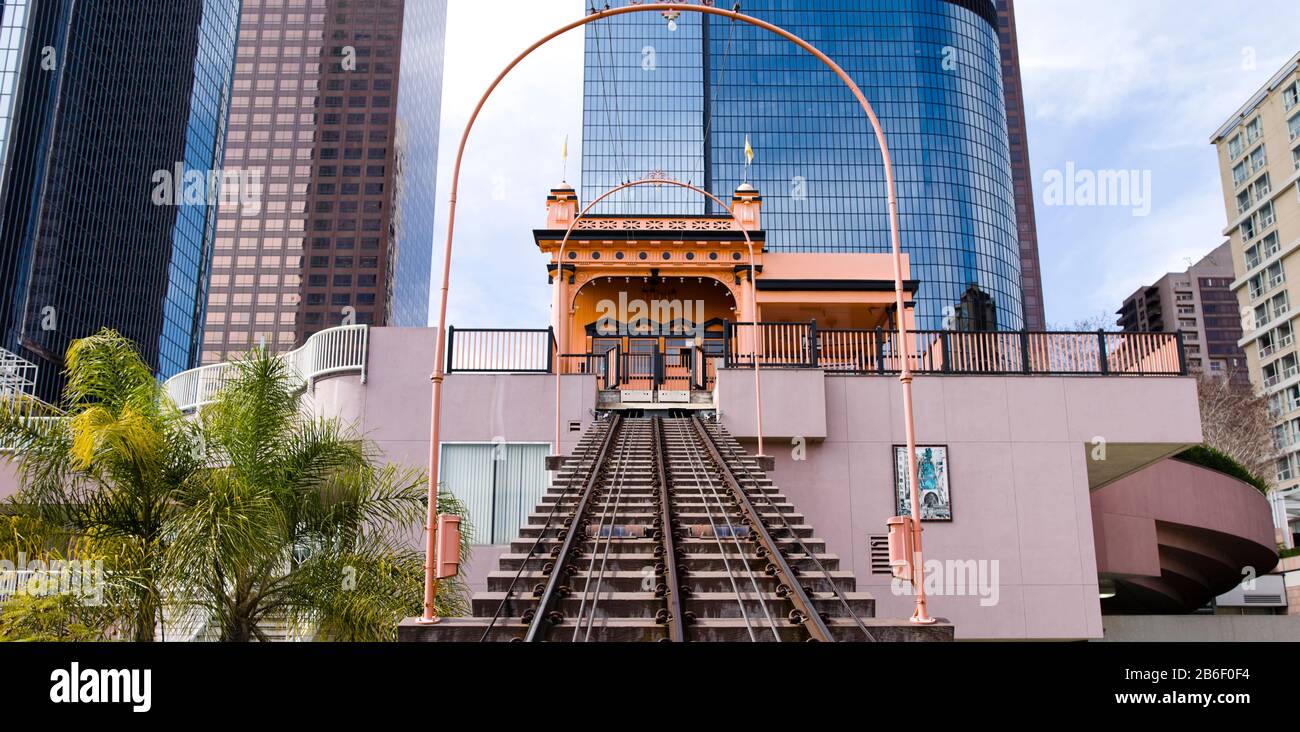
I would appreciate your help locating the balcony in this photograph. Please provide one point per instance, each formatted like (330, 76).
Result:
(329, 352)
(1268, 350)
(1280, 374)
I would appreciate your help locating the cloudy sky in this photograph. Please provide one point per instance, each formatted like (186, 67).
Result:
(1133, 85)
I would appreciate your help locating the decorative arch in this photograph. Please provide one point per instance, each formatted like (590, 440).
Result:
(671, 9)
(561, 332)
(585, 284)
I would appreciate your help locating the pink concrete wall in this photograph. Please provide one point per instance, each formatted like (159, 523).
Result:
(9, 483)
(392, 408)
(794, 402)
(813, 266)
(1018, 450)
(1190, 495)
(1216, 524)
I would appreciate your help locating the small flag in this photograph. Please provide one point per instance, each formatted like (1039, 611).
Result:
(564, 157)
(749, 152)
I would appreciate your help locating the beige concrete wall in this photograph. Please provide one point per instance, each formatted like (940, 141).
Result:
(1202, 628)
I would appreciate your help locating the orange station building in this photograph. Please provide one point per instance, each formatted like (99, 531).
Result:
(661, 294)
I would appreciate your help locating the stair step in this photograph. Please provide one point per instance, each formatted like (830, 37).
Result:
(697, 562)
(612, 584)
(645, 579)
(721, 604)
(688, 546)
(633, 630)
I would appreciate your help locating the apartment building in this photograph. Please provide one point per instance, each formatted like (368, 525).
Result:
(1259, 159)
(334, 122)
(1201, 305)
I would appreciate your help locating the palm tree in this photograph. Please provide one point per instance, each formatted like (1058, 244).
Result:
(248, 513)
(295, 521)
(75, 616)
(105, 469)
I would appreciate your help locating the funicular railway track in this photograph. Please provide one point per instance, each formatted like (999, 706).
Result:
(662, 529)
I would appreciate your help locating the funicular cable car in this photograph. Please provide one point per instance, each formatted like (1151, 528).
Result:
(660, 362)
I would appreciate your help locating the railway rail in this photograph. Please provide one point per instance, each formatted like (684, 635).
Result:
(661, 528)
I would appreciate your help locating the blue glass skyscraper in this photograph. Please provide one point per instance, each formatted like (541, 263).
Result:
(108, 106)
(684, 102)
(419, 110)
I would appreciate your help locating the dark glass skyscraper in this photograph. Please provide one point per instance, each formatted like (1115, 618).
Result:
(684, 102)
(112, 122)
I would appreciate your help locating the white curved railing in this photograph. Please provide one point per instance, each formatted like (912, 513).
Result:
(332, 351)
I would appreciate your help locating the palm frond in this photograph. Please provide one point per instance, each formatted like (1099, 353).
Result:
(106, 369)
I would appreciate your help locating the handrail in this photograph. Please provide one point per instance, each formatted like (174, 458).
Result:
(605, 366)
(339, 350)
(500, 350)
(866, 351)
(860, 351)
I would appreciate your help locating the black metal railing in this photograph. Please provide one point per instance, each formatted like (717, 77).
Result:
(836, 351)
(607, 367)
(500, 350)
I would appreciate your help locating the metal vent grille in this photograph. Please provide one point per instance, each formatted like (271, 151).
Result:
(879, 553)
(1262, 599)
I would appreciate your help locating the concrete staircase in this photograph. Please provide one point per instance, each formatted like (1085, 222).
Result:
(616, 588)
(189, 626)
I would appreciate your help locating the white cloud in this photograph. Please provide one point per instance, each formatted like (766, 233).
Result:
(1094, 61)
(512, 159)
(1116, 84)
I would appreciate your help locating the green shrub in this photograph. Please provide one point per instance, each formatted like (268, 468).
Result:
(1217, 460)
(46, 619)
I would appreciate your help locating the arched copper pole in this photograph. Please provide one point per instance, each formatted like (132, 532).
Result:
(905, 376)
(560, 318)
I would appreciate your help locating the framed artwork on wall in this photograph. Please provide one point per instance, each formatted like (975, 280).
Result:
(932, 473)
